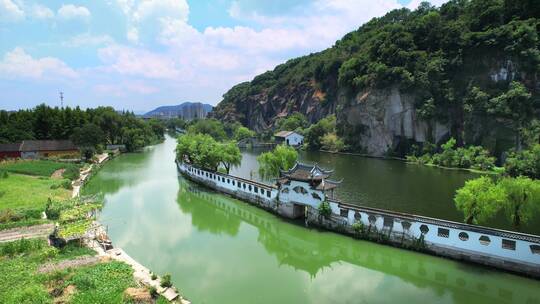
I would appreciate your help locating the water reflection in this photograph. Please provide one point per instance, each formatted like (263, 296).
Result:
(326, 257)
(220, 250)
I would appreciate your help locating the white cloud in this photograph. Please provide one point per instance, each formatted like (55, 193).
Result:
(133, 35)
(88, 39)
(70, 11)
(10, 11)
(136, 62)
(41, 12)
(145, 13)
(19, 64)
(178, 9)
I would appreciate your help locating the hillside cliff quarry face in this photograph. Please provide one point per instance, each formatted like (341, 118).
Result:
(386, 117)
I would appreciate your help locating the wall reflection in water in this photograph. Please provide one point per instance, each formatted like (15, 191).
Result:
(313, 251)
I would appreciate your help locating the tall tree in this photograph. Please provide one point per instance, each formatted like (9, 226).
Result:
(515, 105)
(88, 137)
(522, 199)
(479, 199)
(281, 158)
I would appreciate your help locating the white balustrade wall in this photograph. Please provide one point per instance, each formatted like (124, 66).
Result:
(505, 249)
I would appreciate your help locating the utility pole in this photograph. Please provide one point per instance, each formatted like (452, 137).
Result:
(61, 99)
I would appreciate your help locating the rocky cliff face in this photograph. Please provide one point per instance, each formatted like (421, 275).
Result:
(389, 117)
(408, 78)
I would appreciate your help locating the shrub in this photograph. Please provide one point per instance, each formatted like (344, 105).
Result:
(358, 228)
(8, 215)
(331, 142)
(166, 281)
(4, 174)
(474, 157)
(153, 291)
(53, 209)
(324, 209)
(71, 173)
(526, 163)
(20, 246)
(154, 276)
(32, 293)
(66, 184)
(48, 253)
(30, 213)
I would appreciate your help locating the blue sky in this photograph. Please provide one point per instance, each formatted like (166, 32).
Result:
(139, 54)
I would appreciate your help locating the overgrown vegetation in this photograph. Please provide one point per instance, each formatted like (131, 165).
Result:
(525, 162)
(471, 157)
(20, 281)
(325, 210)
(166, 280)
(281, 158)
(204, 151)
(482, 198)
(74, 216)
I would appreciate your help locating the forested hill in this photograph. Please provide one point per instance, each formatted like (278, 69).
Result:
(469, 70)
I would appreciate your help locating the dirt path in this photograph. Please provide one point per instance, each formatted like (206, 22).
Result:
(77, 262)
(37, 231)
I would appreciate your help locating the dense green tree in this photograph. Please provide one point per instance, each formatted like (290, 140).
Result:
(230, 155)
(479, 199)
(524, 162)
(212, 127)
(294, 122)
(281, 158)
(204, 151)
(515, 105)
(88, 137)
(44, 122)
(243, 132)
(174, 123)
(315, 132)
(331, 142)
(522, 199)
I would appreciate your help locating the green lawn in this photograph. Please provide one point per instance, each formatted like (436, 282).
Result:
(21, 283)
(35, 167)
(29, 192)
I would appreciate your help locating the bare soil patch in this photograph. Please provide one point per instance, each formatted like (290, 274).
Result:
(58, 174)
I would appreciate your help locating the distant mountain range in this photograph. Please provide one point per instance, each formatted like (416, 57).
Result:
(186, 111)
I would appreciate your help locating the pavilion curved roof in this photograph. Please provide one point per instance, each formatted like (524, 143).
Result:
(304, 172)
(328, 184)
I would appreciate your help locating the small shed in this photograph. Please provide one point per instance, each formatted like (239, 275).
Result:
(289, 138)
(11, 150)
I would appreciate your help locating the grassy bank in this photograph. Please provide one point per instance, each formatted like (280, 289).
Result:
(36, 167)
(21, 282)
(30, 192)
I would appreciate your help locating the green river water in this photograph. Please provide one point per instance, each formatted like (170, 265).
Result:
(221, 250)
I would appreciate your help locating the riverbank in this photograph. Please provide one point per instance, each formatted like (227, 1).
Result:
(495, 171)
(141, 274)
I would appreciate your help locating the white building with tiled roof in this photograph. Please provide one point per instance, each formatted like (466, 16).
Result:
(290, 138)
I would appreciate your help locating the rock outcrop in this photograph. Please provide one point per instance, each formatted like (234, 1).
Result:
(389, 116)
